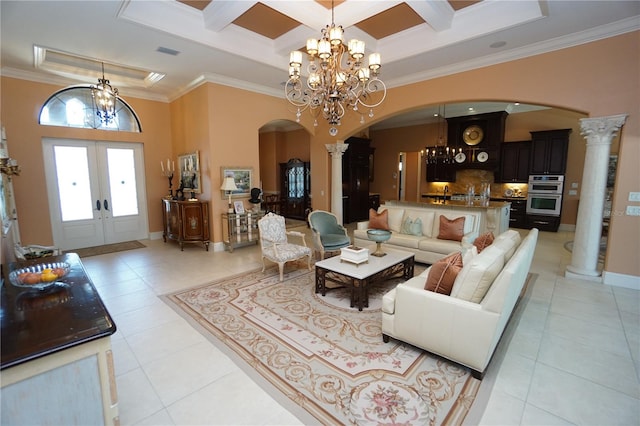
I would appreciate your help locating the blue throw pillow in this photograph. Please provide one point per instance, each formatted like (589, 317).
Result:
(411, 227)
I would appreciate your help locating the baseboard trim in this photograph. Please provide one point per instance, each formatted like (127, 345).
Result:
(566, 227)
(621, 280)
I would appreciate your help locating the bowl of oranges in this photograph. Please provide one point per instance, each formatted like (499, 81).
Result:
(39, 277)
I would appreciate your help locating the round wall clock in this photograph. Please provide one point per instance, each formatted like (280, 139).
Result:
(472, 135)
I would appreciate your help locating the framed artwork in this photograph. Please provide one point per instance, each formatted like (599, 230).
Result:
(242, 176)
(189, 167)
(238, 207)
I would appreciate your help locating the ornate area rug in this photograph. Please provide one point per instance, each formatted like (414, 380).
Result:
(326, 357)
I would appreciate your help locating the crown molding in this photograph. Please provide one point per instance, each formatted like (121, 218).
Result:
(46, 78)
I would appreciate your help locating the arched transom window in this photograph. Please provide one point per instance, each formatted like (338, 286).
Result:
(74, 107)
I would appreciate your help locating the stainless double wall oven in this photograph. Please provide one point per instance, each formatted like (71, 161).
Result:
(545, 195)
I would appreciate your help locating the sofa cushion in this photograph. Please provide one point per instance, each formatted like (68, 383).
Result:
(411, 227)
(509, 242)
(469, 221)
(483, 241)
(434, 245)
(475, 278)
(379, 220)
(451, 229)
(443, 273)
(395, 217)
(404, 240)
(427, 222)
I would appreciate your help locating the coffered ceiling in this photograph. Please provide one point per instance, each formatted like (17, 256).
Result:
(160, 49)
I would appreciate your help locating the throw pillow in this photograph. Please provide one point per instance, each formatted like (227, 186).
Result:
(411, 227)
(473, 282)
(395, 219)
(451, 229)
(443, 273)
(483, 241)
(379, 220)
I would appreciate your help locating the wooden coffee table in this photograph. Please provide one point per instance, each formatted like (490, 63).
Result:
(396, 263)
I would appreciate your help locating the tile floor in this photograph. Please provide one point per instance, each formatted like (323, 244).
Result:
(573, 358)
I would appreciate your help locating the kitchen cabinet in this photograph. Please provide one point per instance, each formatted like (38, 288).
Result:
(549, 152)
(186, 222)
(441, 173)
(514, 162)
(543, 223)
(517, 212)
(355, 179)
(479, 137)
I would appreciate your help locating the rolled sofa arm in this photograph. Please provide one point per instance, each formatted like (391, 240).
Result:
(363, 225)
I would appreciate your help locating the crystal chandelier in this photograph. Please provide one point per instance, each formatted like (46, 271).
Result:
(104, 98)
(336, 80)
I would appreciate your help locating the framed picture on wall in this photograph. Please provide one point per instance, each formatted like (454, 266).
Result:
(242, 176)
(189, 166)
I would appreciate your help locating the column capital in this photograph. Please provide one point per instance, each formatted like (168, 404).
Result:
(601, 130)
(337, 148)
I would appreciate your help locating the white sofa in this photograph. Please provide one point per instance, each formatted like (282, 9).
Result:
(466, 332)
(426, 247)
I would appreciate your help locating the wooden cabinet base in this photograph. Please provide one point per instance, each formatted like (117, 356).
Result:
(186, 222)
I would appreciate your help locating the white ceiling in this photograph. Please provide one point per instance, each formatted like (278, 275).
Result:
(128, 34)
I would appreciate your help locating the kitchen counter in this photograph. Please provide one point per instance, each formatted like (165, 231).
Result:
(56, 363)
(38, 323)
(477, 204)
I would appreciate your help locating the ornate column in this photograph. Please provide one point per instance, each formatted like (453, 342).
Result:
(336, 150)
(599, 133)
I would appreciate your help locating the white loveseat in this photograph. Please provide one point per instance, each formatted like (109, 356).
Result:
(426, 247)
(463, 331)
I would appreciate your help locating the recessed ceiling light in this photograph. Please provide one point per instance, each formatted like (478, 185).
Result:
(497, 44)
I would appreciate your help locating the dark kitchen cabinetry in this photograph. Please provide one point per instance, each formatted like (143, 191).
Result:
(549, 152)
(479, 138)
(518, 214)
(543, 223)
(295, 181)
(441, 173)
(355, 180)
(514, 162)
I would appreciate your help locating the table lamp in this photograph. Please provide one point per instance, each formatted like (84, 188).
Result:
(228, 185)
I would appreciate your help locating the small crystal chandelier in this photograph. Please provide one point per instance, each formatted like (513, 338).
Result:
(336, 81)
(104, 98)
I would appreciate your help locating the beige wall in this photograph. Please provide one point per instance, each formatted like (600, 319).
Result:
(599, 79)
(21, 103)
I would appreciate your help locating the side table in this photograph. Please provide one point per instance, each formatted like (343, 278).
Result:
(240, 229)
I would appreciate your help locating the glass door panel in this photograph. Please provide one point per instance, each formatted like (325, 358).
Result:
(122, 182)
(74, 185)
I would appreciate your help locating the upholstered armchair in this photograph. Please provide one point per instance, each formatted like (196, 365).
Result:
(275, 244)
(328, 234)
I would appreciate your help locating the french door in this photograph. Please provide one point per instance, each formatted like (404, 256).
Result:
(96, 192)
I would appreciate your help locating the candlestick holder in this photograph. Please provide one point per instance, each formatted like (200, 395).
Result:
(169, 175)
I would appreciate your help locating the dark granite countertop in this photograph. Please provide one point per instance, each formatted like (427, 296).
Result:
(38, 323)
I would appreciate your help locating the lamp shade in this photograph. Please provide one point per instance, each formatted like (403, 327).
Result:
(228, 184)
